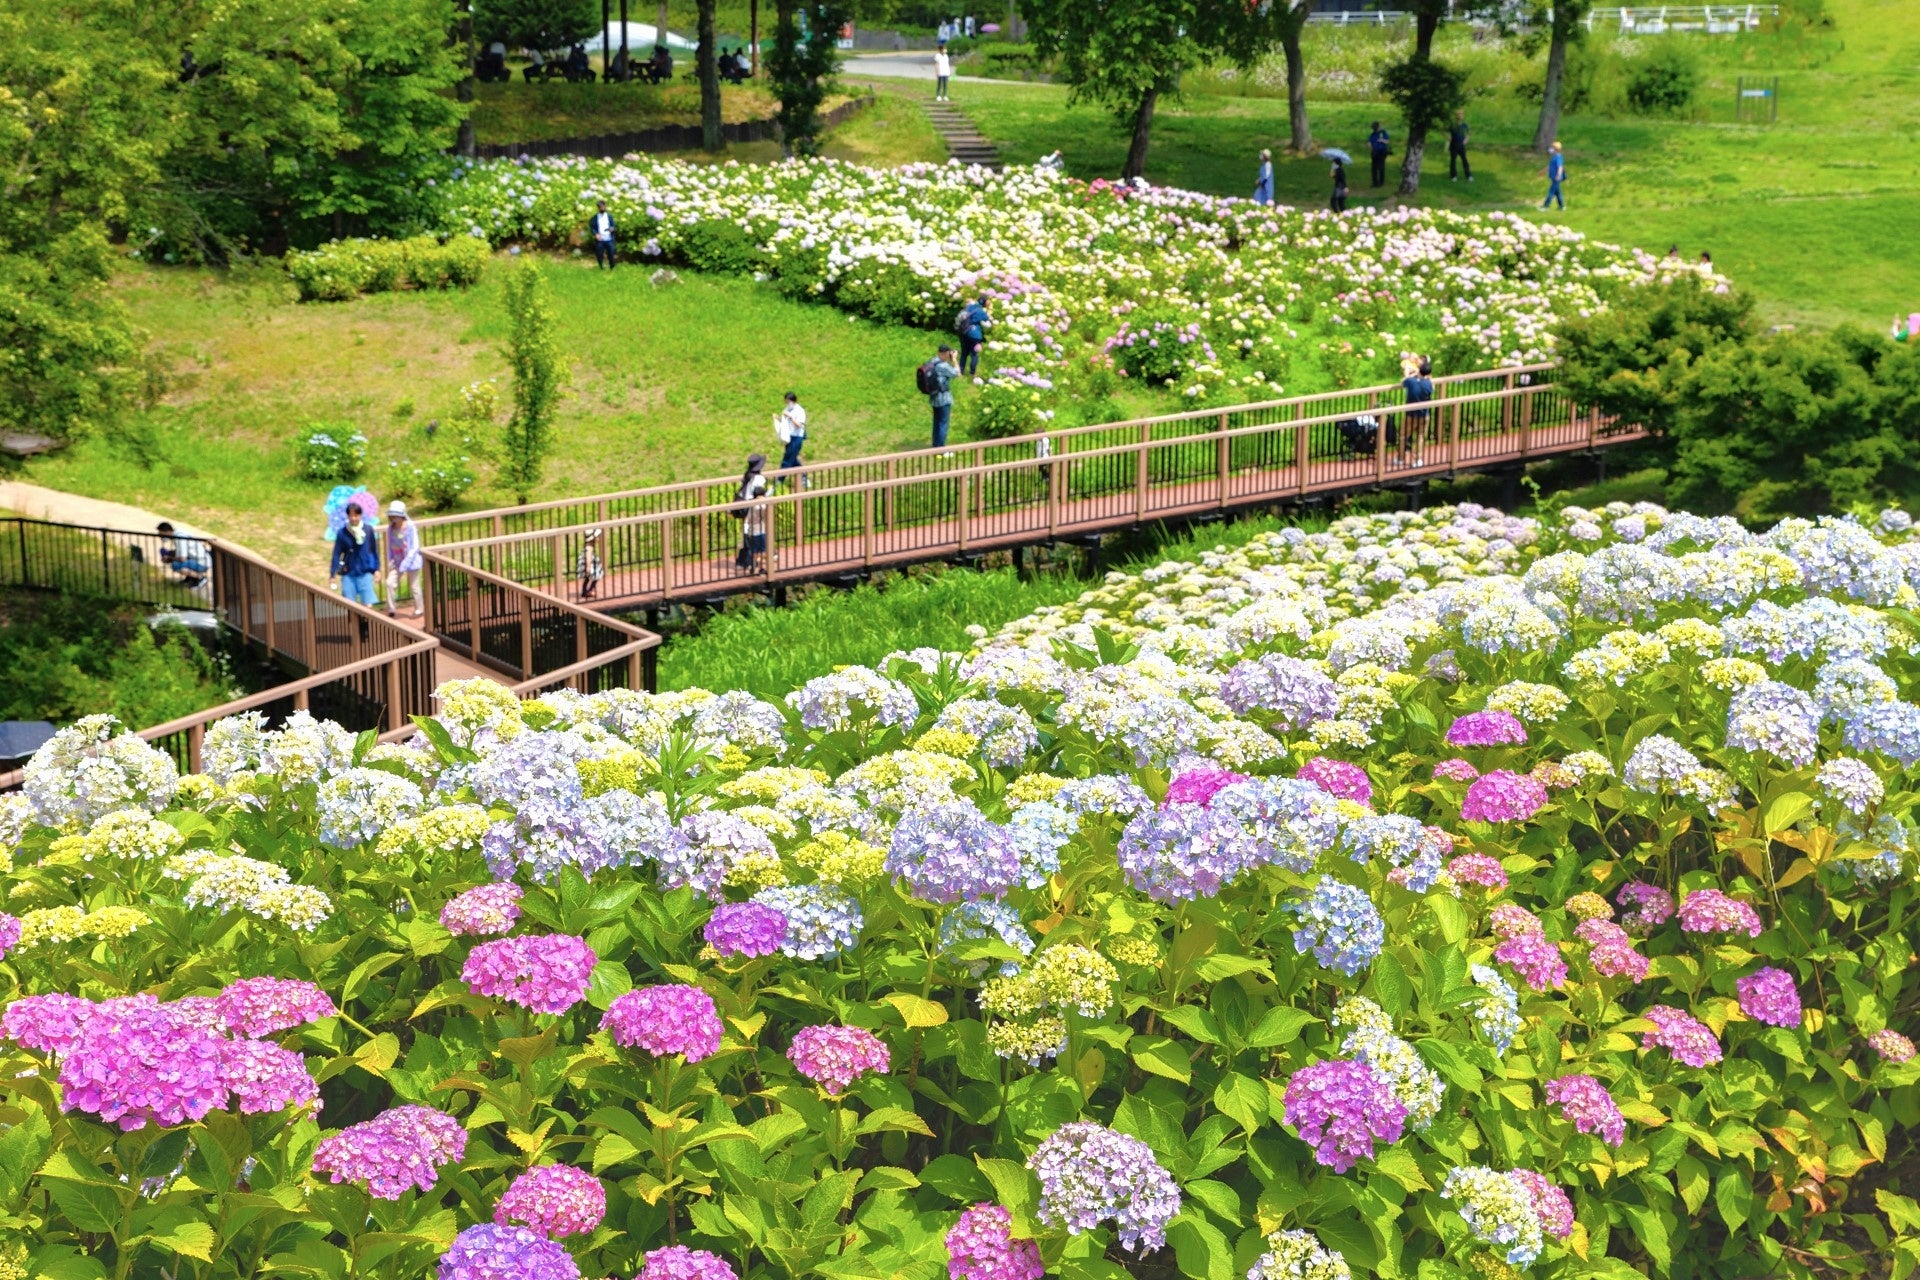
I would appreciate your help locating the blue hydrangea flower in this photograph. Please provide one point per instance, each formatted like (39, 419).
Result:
(1340, 925)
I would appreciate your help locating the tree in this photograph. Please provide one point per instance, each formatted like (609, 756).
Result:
(1631, 360)
(1124, 54)
(1564, 19)
(536, 24)
(804, 57)
(539, 377)
(1251, 33)
(463, 41)
(1415, 78)
(708, 64)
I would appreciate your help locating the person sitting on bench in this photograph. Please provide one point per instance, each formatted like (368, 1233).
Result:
(578, 67)
(662, 64)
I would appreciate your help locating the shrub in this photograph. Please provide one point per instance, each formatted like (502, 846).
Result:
(1158, 349)
(1664, 80)
(344, 269)
(324, 451)
(439, 482)
(1013, 402)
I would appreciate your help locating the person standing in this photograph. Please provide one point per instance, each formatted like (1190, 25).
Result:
(1378, 144)
(1556, 174)
(935, 380)
(403, 559)
(591, 567)
(1457, 147)
(1339, 201)
(1418, 385)
(752, 509)
(1263, 185)
(790, 427)
(974, 323)
(601, 225)
(942, 72)
(356, 559)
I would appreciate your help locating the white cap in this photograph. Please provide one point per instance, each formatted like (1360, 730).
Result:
(396, 508)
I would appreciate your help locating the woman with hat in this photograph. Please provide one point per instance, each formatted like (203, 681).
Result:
(590, 568)
(403, 559)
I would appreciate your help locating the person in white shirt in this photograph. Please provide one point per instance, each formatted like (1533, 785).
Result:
(790, 426)
(751, 508)
(601, 225)
(942, 72)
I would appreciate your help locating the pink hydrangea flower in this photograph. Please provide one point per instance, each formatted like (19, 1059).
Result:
(547, 973)
(265, 1078)
(1586, 1103)
(1502, 796)
(259, 1007)
(1199, 786)
(981, 1247)
(9, 933)
(1338, 778)
(1612, 954)
(677, 1262)
(665, 1020)
(834, 1057)
(1687, 1038)
(555, 1200)
(1341, 1109)
(1711, 911)
(45, 1024)
(1647, 906)
(1891, 1045)
(1455, 770)
(482, 912)
(1768, 995)
(1487, 729)
(1478, 869)
(137, 1062)
(746, 929)
(399, 1148)
(1510, 920)
(1550, 1203)
(1534, 958)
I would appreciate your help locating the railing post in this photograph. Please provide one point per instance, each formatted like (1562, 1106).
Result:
(1380, 443)
(666, 557)
(559, 568)
(579, 637)
(391, 678)
(1526, 427)
(1140, 473)
(1222, 450)
(313, 635)
(526, 635)
(473, 615)
(962, 513)
(106, 570)
(26, 565)
(1056, 481)
(499, 531)
(1302, 441)
(866, 527)
(1453, 438)
(1506, 407)
(196, 734)
(272, 610)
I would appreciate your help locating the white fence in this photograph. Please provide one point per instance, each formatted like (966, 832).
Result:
(1714, 19)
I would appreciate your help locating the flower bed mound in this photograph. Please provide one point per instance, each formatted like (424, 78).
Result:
(1446, 893)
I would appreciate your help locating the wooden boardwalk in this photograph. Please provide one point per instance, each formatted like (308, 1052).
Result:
(837, 521)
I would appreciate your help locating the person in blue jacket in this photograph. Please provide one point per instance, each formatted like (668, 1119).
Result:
(1556, 174)
(1263, 185)
(356, 558)
(975, 320)
(1379, 144)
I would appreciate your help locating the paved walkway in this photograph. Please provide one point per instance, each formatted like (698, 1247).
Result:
(900, 66)
(37, 502)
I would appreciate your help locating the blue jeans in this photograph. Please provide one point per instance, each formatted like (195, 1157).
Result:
(358, 586)
(1553, 194)
(603, 254)
(970, 355)
(942, 415)
(791, 458)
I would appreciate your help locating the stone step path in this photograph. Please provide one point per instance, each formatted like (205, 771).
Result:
(964, 142)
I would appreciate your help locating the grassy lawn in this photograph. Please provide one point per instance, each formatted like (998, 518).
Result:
(521, 112)
(1813, 213)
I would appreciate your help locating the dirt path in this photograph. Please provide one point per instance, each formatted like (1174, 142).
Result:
(38, 502)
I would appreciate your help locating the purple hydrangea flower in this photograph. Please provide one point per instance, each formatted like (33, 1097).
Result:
(482, 912)
(950, 853)
(1487, 729)
(1891, 1045)
(1184, 851)
(1338, 778)
(745, 929)
(1586, 1103)
(1089, 1173)
(397, 1149)
(1550, 1203)
(9, 933)
(489, 1251)
(261, 1006)
(546, 973)
(1612, 954)
(137, 1062)
(263, 1077)
(1768, 995)
(1478, 869)
(1687, 1038)
(1502, 795)
(665, 1020)
(1534, 958)
(677, 1262)
(1711, 911)
(834, 1057)
(1199, 786)
(1776, 719)
(981, 1247)
(555, 1200)
(1648, 906)
(1455, 770)
(1341, 1109)
(1297, 693)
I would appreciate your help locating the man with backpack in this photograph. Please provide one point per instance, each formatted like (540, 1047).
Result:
(935, 381)
(971, 324)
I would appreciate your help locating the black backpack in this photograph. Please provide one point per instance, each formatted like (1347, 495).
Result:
(923, 379)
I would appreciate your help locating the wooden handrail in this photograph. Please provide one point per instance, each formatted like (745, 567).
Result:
(810, 470)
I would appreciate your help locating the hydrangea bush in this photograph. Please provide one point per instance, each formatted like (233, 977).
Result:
(1441, 895)
(1204, 295)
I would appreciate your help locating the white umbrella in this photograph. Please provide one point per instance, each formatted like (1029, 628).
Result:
(1335, 153)
(640, 35)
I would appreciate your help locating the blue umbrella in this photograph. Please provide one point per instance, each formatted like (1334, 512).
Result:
(1335, 153)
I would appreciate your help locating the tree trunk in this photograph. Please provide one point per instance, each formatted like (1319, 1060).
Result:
(753, 38)
(463, 36)
(1426, 23)
(1549, 127)
(1296, 87)
(1142, 135)
(660, 27)
(709, 67)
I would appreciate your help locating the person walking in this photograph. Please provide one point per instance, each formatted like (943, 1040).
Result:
(1556, 174)
(1418, 385)
(751, 507)
(1339, 201)
(935, 380)
(590, 568)
(942, 72)
(1457, 147)
(1263, 185)
(972, 326)
(356, 559)
(403, 560)
(1378, 144)
(601, 226)
(790, 428)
